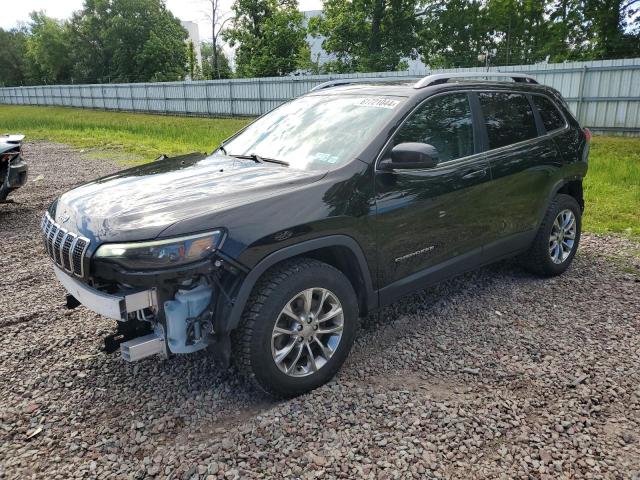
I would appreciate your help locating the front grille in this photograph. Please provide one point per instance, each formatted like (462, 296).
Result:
(66, 249)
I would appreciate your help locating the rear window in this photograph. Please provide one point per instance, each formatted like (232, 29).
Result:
(508, 118)
(551, 116)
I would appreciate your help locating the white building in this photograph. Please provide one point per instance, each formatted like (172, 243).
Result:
(194, 36)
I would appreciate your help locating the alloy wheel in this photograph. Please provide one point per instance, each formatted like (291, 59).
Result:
(307, 332)
(563, 235)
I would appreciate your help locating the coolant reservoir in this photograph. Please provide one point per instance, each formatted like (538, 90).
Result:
(187, 304)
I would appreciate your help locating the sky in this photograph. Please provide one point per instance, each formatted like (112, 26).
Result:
(14, 12)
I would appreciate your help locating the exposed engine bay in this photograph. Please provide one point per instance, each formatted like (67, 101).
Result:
(176, 316)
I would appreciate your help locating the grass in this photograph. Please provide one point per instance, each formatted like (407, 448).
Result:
(129, 137)
(612, 185)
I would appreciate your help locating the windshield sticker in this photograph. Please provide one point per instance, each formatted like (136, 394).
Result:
(325, 157)
(379, 102)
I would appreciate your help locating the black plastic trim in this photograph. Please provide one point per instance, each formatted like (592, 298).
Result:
(430, 276)
(278, 256)
(104, 270)
(478, 257)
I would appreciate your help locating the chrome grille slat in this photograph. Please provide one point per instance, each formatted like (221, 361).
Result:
(78, 255)
(57, 241)
(71, 260)
(65, 248)
(50, 236)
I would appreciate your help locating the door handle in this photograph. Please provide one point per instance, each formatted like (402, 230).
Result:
(475, 174)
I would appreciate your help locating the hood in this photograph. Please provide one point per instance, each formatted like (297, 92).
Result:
(141, 202)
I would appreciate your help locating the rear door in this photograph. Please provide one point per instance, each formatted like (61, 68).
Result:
(523, 161)
(429, 216)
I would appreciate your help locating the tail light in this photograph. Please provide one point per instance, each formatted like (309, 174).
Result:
(587, 134)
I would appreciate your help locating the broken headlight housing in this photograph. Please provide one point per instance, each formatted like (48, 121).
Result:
(165, 253)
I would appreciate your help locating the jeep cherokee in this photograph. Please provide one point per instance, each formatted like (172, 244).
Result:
(334, 204)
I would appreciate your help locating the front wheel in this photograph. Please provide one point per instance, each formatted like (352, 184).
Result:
(297, 329)
(557, 239)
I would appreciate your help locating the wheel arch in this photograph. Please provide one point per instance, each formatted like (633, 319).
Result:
(339, 251)
(571, 186)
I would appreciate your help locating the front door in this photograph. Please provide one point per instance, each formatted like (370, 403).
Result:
(430, 216)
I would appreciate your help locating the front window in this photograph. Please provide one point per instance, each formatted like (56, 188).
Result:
(316, 132)
(444, 122)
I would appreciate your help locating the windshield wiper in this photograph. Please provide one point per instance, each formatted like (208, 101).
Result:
(259, 159)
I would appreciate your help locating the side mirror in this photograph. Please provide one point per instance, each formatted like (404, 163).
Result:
(411, 155)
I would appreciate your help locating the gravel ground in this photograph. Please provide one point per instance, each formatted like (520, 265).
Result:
(496, 374)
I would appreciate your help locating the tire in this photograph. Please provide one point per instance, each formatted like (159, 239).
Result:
(542, 258)
(256, 353)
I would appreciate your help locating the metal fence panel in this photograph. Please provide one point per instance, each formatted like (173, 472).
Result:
(604, 94)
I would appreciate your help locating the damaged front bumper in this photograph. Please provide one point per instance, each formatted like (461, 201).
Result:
(160, 312)
(134, 340)
(117, 307)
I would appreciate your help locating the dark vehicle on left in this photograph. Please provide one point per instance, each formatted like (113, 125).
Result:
(13, 168)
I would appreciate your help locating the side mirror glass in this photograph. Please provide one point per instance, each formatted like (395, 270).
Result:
(411, 155)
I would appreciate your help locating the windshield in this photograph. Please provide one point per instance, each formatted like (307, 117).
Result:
(315, 132)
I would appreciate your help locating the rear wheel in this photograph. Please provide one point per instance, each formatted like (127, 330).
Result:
(297, 329)
(557, 239)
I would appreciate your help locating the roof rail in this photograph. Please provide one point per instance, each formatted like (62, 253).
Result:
(347, 81)
(439, 78)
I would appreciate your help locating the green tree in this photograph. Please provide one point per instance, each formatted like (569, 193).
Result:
(615, 24)
(13, 48)
(452, 33)
(128, 40)
(519, 30)
(191, 60)
(223, 70)
(367, 35)
(270, 38)
(48, 50)
(568, 39)
(218, 22)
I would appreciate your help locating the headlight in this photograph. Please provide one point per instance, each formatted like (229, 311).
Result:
(170, 252)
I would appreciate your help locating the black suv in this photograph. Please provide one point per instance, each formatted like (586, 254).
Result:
(331, 206)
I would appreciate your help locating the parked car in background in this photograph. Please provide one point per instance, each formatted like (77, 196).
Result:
(329, 207)
(13, 168)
